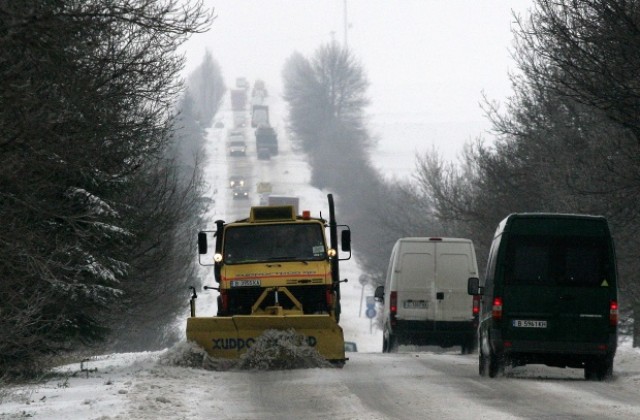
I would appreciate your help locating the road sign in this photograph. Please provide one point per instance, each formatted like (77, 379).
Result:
(371, 313)
(371, 302)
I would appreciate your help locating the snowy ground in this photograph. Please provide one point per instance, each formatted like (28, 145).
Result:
(137, 386)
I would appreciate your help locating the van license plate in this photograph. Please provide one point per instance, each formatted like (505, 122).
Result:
(528, 323)
(415, 304)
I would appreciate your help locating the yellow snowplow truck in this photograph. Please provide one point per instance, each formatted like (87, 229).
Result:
(275, 270)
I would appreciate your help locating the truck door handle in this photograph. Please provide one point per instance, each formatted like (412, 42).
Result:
(440, 295)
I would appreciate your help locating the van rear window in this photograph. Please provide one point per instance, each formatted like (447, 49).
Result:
(555, 260)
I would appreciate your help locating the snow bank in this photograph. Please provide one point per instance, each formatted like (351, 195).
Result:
(273, 350)
(281, 350)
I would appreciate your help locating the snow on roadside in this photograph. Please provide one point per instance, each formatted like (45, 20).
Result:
(79, 390)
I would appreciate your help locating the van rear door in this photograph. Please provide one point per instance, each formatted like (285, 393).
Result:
(455, 263)
(415, 280)
(561, 287)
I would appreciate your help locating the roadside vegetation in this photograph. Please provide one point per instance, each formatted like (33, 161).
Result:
(99, 181)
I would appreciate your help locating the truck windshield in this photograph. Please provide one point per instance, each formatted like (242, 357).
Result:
(557, 260)
(284, 242)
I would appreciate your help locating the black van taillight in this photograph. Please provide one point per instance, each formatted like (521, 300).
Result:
(496, 311)
(475, 309)
(393, 306)
(613, 313)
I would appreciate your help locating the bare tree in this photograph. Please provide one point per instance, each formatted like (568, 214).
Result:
(207, 88)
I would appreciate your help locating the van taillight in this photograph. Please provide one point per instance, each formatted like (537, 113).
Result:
(393, 306)
(613, 313)
(497, 308)
(329, 297)
(476, 305)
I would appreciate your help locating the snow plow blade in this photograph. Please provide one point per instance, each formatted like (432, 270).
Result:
(229, 337)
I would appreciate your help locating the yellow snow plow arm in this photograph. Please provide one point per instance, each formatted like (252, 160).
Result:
(229, 337)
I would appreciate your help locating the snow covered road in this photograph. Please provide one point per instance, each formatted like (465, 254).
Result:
(411, 385)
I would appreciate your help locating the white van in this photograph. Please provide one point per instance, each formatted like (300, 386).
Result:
(425, 294)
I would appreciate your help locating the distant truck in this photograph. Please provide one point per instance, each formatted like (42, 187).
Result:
(259, 93)
(242, 83)
(283, 200)
(259, 115)
(267, 140)
(238, 99)
(236, 143)
(259, 88)
(239, 119)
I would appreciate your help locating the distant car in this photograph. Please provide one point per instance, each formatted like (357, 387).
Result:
(236, 181)
(240, 194)
(242, 83)
(219, 124)
(237, 148)
(350, 346)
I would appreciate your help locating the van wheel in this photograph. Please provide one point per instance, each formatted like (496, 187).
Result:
(496, 364)
(468, 346)
(482, 363)
(599, 370)
(392, 345)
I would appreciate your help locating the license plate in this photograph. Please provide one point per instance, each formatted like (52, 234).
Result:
(415, 304)
(245, 283)
(528, 323)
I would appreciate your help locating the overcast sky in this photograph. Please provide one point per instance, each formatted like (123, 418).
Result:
(433, 58)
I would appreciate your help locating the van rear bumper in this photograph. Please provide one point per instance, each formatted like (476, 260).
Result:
(553, 353)
(442, 333)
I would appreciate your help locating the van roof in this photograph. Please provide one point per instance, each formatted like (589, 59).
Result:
(432, 239)
(554, 223)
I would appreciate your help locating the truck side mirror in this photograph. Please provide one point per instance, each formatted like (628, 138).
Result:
(473, 286)
(379, 294)
(345, 240)
(202, 243)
